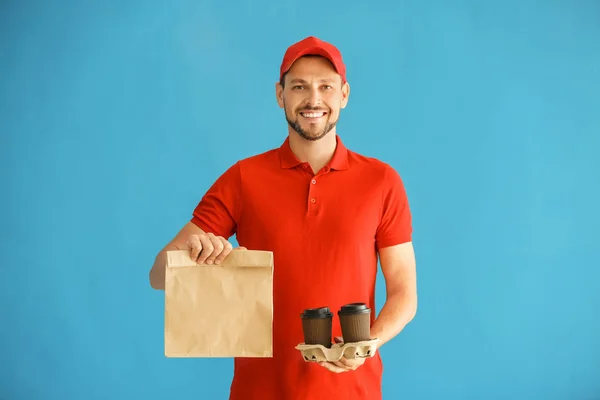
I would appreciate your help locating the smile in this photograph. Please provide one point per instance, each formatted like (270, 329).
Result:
(313, 115)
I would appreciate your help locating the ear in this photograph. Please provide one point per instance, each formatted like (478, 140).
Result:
(345, 94)
(279, 94)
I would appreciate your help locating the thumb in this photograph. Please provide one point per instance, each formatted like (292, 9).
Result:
(240, 248)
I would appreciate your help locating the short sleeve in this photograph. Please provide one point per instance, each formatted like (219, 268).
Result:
(218, 210)
(395, 226)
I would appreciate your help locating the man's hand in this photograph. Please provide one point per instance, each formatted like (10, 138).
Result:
(209, 248)
(343, 364)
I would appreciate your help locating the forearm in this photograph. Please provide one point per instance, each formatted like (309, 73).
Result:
(157, 273)
(399, 309)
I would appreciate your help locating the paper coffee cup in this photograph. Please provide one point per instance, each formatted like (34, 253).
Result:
(317, 326)
(355, 320)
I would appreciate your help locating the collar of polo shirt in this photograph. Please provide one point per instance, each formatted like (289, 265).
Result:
(339, 161)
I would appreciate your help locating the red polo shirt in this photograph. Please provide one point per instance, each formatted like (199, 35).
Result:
(324, 231)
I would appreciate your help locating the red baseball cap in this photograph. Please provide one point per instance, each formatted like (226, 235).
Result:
(313, 46)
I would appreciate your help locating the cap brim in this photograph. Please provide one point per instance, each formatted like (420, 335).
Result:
(317, 51)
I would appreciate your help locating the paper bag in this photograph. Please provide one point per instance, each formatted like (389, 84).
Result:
(223, 310)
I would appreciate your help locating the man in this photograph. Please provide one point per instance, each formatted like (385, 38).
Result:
(327, 213)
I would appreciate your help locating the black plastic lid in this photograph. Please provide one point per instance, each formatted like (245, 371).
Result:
(321, 312)
(354, 308)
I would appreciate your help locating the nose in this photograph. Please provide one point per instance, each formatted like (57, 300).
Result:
(314, 97)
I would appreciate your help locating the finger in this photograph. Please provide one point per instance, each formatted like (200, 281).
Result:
(195, 247)
(352, 363)
(227, 247)
(332, 367)
(207, 248)
(345, 363)
(338, 339)
(342, 364)
(217, 248)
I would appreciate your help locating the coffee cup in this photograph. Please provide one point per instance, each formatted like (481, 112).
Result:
(355, 321)
(317, 326)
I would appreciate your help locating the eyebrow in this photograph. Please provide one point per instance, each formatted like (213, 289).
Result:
(298, 80)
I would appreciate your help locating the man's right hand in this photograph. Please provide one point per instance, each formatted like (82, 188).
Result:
(208, 248)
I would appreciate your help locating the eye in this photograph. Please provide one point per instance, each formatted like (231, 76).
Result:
(328, 87)
(297, 87)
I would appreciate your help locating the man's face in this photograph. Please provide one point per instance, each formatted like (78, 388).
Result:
(312, 97)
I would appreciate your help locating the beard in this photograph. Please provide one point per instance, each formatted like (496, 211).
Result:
(312, 134)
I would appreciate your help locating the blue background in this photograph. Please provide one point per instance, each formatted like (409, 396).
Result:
(115, 117)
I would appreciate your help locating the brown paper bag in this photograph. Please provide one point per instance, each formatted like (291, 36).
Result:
(223, 310)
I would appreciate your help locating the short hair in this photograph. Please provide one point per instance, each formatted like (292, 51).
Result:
(282, 80)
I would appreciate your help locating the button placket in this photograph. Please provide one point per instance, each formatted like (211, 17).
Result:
(313, 200)
(312, 197)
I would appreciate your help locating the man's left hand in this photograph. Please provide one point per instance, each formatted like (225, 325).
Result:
(344, 364)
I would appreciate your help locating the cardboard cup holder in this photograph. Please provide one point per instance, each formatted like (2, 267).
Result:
(320, 353)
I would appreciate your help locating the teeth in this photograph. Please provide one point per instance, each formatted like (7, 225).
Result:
(312, 115)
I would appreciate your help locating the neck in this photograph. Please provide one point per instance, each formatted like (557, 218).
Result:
(317, 153)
